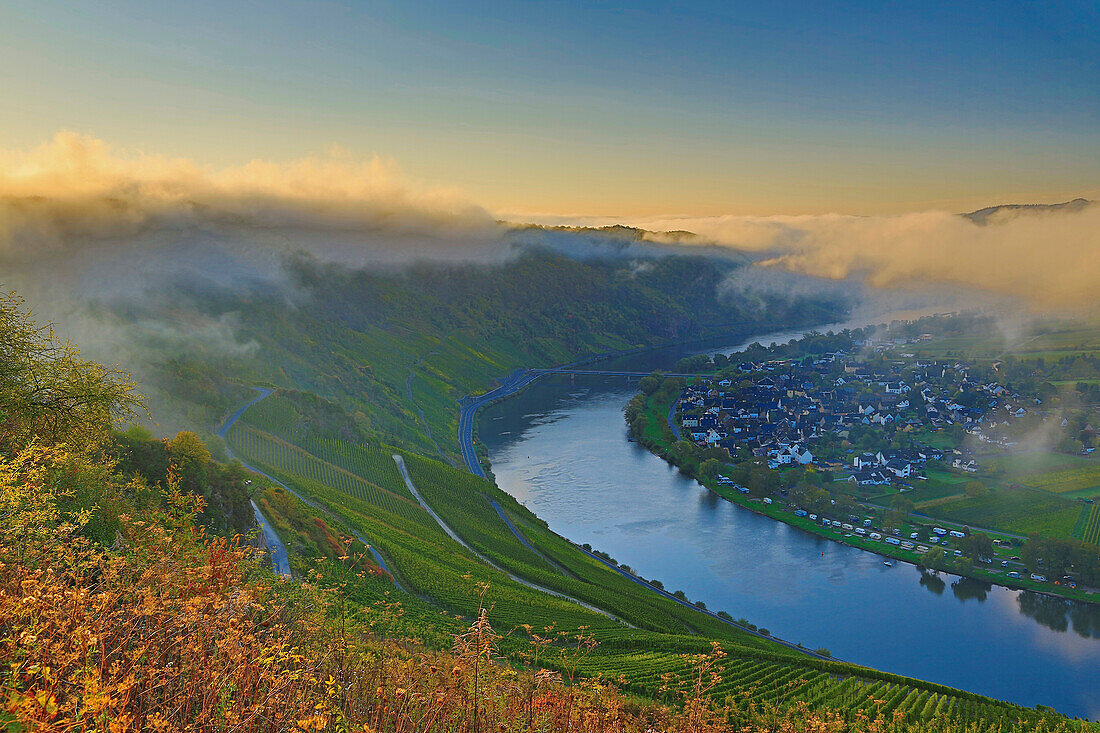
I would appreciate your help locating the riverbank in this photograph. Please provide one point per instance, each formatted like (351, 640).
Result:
(654, 438)
(523, 377)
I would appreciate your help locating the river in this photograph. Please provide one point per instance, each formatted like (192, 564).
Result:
(560, 447)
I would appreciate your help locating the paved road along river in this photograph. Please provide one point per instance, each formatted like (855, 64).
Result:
(560, 447)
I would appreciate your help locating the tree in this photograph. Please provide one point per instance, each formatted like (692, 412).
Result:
(902, 504)
(976, 545)
(48, 392)
(762, 481)
(190, 456)
(649, 385)
(708, 469)
(812, 498)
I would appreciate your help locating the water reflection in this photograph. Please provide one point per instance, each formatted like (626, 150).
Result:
(968, 588)
(933, 583)
(1058, 614)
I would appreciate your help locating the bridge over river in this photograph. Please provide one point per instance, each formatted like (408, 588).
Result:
(607, 373)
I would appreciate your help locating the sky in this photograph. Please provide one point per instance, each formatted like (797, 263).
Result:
(588, 109)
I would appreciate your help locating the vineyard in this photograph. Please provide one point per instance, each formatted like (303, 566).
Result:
(1077, 481)
(1020, 510)
(571, 572)
(1089, 524)
(267, 450)
(661, 675)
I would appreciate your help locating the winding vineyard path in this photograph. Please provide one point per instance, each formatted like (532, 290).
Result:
(519, 536)
(454, 536)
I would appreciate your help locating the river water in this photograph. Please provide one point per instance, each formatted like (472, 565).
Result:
(561, 448)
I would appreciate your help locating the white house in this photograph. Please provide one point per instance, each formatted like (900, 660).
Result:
(866, 460)
(800, 455)
(900, 468)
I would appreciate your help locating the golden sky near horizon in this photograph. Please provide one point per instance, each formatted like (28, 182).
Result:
(561, 109)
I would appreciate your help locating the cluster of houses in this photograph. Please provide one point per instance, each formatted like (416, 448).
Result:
(885, 467)
(778, 409)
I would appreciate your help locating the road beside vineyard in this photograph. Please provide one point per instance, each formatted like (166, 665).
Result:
(454, 536)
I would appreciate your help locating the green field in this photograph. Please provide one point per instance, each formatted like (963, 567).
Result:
(932, 491)
(1077, 482)
(1020, 511)
(1072, 476)
(1020, 465)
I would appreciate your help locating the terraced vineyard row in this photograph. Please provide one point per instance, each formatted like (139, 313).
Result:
(262, 448)
(660, 675)
(372, 464)
(1090, 519)
(275, 415)
(278, 417)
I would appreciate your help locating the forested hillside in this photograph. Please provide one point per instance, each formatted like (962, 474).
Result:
(388, 344)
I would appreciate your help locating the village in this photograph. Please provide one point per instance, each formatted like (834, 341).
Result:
(935, 460)
(800, 413)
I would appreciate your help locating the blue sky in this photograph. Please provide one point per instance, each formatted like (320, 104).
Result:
(595, 108)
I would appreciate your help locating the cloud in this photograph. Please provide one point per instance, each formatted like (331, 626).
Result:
(1046, 256)
(121, 249)
(85, 227)
(107, 221)
(76, 183)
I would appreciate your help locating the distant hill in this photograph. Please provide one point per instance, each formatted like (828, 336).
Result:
(983, 216)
